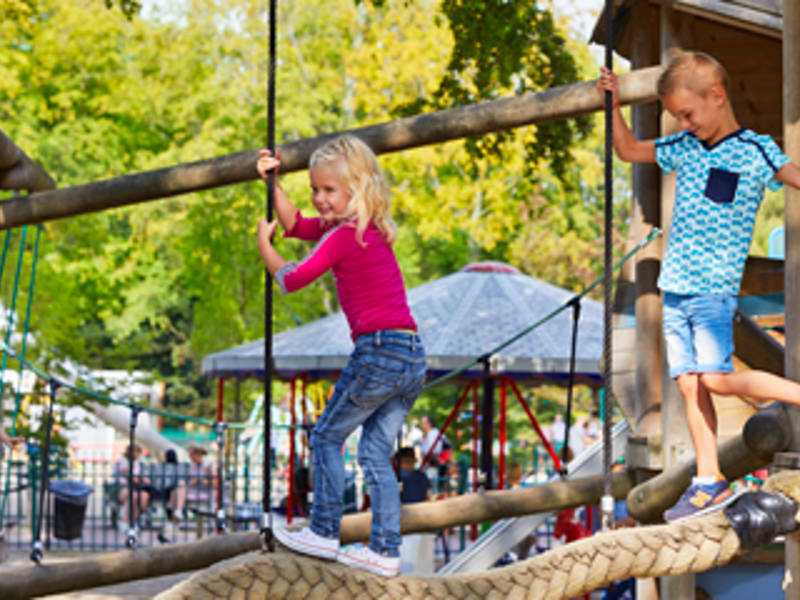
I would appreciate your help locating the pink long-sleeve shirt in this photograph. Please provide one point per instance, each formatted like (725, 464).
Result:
(368, 279)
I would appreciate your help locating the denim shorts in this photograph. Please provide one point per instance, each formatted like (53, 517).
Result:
(698, 330)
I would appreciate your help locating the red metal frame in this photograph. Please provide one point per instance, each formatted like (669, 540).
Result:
(447, 423)
(547, 445)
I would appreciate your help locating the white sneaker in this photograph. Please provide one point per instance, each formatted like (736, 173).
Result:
(365, 558)
(308, 542)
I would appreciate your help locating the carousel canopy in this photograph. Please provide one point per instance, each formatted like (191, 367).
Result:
(461, 317)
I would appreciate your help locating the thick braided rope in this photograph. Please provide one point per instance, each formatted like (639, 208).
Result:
(565, 572)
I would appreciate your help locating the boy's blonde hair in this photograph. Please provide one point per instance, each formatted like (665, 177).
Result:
(694, 71)
(360, 173)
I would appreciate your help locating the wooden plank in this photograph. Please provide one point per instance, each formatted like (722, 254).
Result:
(742, 17)
(762, 276)
(767, 321)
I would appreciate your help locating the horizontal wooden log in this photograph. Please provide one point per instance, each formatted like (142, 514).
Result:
(493, 505)
(411, 132)
(765, 433)
(127, 565)
(142, 563)
(18, 171)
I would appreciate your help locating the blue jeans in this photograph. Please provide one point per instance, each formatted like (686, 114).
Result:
(699, 332)
(376, 390)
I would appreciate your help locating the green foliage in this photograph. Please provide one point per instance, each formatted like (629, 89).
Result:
(93, 94)
(505, 48)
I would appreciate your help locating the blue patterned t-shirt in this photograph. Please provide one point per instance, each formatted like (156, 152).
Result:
(718, 191)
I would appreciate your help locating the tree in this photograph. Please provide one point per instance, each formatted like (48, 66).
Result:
(92, 94)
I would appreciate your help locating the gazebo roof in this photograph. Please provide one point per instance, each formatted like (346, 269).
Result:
(461, 316)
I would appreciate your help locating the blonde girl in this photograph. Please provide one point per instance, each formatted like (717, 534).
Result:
(353, 237)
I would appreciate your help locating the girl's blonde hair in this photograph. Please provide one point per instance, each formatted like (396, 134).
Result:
(360, 173)
(693, 71)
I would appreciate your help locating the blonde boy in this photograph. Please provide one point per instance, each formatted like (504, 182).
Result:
(722, 170)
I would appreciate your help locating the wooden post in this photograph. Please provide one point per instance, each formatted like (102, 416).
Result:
(646, 215)
(410, 132)
(676, 442)
(647, 262)
(791, 131)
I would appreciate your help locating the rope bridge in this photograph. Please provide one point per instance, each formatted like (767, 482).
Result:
(571, 570)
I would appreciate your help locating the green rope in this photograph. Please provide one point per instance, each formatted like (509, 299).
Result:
(6, 244)
(210, 423)
(653, 235)
(13, 307)
(18, 396)
(26, 329)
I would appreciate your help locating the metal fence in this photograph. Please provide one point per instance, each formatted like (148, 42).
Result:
(100, 519)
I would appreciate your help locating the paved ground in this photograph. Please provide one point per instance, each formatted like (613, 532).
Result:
(143, 589)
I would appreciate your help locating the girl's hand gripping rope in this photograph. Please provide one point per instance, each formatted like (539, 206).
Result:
(266, 163)
(273, 260)
(608, 83)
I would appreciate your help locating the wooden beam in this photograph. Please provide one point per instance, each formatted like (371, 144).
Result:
(770, 321)
(83, 573)
(18, 171)
(411, 132)
(142, 563)
(762, 276)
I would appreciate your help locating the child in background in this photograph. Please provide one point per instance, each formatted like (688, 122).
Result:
(722, 170)
(354, 234)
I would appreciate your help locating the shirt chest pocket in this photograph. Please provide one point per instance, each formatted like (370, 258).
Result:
(721, 185)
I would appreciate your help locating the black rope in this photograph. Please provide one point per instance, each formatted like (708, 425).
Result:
(576, 315)
(266, 517)
(221, 521)
(608, 513)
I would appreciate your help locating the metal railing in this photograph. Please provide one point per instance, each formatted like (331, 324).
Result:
(101, 522)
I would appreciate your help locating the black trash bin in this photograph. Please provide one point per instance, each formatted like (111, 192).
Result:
(71, 497)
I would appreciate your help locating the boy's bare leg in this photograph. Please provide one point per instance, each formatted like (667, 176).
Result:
(755, 384)
(702, 420)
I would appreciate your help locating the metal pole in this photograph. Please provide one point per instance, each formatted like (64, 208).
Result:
(487, 427)
(576, 315)
(36, 552)
(130, 539)
(219, 428)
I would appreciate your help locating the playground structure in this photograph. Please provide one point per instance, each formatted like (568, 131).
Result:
(652, 407)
